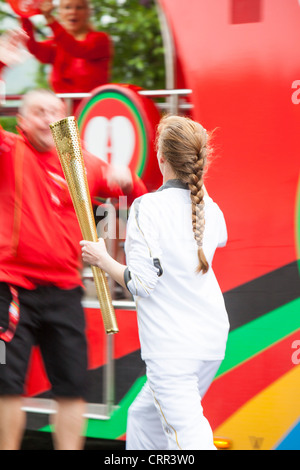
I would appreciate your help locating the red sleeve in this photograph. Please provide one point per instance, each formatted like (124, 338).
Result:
(7, 139)
(1, 135)
(7, 143)
(138, 189)
(96, 46)
(1, 67)
(97, 177)
(44, 51)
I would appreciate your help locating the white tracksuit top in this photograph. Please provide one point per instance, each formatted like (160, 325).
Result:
(181, 314)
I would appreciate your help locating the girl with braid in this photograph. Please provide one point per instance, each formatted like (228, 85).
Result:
(172, 236)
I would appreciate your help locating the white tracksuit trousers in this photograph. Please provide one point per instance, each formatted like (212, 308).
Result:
(167, 414)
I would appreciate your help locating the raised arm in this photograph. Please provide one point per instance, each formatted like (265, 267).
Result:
(94, 46)
(44, 51)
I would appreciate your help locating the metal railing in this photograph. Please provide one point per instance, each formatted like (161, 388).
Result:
(173, 104)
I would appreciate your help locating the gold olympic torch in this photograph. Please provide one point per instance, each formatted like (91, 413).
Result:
(67, 141)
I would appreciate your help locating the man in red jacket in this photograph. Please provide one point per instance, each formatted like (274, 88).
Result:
(40, 282)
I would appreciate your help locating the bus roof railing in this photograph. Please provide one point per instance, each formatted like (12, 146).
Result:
(9, 104)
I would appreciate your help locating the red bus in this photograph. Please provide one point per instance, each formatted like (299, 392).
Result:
(232, 65)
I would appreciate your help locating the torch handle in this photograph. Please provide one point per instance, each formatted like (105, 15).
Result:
(108, 314)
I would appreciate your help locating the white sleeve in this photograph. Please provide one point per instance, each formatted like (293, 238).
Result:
(142, 250)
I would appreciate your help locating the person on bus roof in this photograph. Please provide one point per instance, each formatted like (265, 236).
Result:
(79, 55)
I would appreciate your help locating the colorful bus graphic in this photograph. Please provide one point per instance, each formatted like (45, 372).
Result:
(234, 66)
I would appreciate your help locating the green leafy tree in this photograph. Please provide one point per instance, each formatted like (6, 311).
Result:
(138, 50)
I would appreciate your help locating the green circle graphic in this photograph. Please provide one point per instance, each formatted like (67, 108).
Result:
(134, 112)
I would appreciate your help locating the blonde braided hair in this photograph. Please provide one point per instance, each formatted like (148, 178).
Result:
(183, 143)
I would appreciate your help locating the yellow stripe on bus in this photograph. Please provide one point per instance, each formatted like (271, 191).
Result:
(264, 420)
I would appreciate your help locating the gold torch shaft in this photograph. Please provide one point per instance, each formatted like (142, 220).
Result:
(67, 141)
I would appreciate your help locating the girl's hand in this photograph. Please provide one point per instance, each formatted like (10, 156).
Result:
(94, 253)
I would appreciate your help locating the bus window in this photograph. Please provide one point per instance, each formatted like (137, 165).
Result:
(246, 11)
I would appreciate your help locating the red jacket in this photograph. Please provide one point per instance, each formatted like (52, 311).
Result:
(39, 232)
(78, 66)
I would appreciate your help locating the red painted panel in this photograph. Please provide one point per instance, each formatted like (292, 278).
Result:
(241, 76)
(125, 342)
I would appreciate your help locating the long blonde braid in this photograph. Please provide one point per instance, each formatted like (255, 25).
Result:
(183, 143)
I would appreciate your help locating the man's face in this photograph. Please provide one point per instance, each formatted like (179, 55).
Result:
(41, 111)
